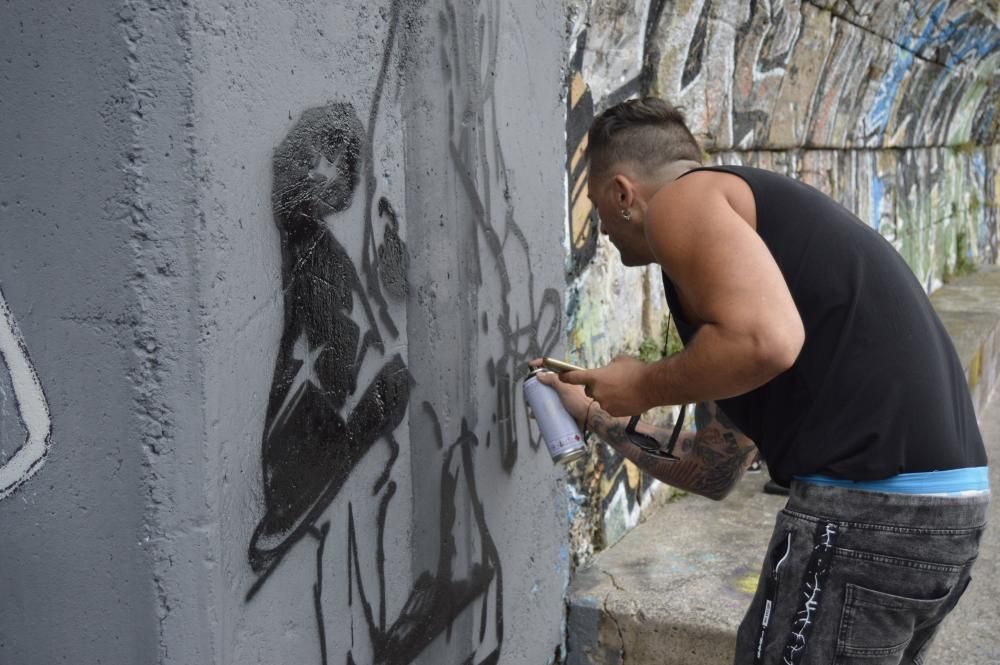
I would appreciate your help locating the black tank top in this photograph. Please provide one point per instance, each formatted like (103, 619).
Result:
(878, 388)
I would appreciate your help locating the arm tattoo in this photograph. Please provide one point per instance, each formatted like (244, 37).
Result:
(712, 459)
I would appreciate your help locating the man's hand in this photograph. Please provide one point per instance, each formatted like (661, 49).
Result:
(574, 400)
(618, 387)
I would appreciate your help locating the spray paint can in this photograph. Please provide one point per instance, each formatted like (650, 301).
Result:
(562, 437)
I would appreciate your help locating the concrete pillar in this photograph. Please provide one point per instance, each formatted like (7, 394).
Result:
(275, 272)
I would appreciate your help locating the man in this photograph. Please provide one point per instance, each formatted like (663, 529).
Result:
(806, 334)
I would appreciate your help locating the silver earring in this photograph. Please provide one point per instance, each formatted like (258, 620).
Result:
(626, 215)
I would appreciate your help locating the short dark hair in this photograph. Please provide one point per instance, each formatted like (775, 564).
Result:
(648, 132)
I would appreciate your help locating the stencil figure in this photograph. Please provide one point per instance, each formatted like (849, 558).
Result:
(309, 448)
(313, 440)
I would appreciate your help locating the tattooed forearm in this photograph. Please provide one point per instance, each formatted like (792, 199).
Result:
(712, 459)
(724, 458)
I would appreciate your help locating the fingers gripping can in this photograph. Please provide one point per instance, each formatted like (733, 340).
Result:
(562, 437)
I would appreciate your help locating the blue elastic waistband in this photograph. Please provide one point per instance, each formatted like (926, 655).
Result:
(952, 481)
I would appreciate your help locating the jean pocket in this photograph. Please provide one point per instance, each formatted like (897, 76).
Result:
(876, 627)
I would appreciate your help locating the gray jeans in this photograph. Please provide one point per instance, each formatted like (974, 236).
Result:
(854, 577)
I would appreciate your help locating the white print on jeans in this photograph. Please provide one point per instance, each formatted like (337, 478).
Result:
(818, 568)
(828, 536)
(804, 618)
(32, 408)
(768, 604)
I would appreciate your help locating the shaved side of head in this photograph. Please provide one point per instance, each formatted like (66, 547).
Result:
(646, 134)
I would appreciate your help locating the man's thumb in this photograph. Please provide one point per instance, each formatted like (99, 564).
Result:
(574, 377)
(548, 378)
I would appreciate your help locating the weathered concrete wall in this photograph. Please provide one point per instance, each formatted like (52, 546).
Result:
(890, 107)
(270, 279)
(75, 570)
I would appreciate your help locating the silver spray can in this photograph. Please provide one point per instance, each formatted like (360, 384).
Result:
(562, 437)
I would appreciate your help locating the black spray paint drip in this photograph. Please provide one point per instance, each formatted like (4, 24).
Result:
(392, 258)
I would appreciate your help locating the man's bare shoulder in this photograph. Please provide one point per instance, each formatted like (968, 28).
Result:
(687, 196)
(722, 270)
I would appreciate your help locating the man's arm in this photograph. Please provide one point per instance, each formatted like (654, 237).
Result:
(712, 459)
(749, 328)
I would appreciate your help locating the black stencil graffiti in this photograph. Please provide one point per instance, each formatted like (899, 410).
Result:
(392, 257)
(310, 447)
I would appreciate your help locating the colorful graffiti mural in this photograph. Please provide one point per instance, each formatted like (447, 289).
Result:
(889, 107)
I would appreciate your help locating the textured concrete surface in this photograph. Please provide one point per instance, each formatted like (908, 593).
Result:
(232, 232)
(76, 578)
(675, 588)
(278, 267)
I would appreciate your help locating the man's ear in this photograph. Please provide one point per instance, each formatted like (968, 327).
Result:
(624, 191)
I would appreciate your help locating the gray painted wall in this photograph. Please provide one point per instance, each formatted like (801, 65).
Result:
(198, 243)
(75, 576)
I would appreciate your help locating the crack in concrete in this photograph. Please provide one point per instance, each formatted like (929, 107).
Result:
(871, 31)
(621, 638)
(614, 619)
(613, 581)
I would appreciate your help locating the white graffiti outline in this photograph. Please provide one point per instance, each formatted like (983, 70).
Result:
(32, 407)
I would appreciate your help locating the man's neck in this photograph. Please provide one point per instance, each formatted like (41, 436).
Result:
(675, 170)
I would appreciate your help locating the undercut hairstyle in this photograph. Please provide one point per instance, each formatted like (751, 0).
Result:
(648, 133)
